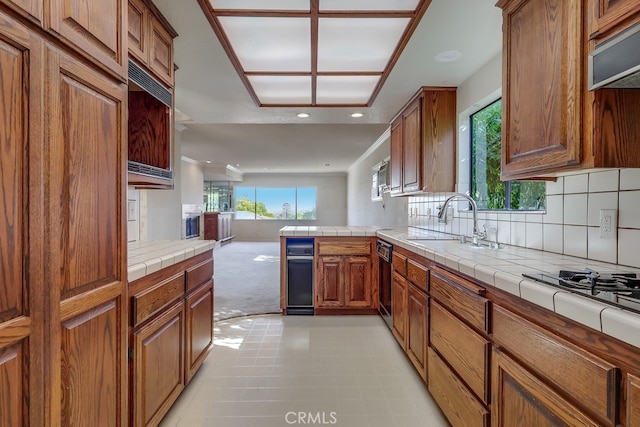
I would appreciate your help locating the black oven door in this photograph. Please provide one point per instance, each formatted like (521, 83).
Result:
(384, 250)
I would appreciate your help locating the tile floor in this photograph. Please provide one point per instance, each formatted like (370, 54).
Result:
(277, 370)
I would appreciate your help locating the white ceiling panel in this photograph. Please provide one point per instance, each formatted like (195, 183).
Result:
(261, 4)
(345, 89)
(282, 89)
(270, 44)
(358, 44)
(361, 5)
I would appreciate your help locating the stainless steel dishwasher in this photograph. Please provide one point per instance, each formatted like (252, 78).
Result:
(299, 276)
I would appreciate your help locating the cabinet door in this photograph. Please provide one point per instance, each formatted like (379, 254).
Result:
(521, 399)
(542, 89)
(439, 144)
(417, 327)
(158, 366)
(395, 163)
(412, 147)
(22, 282)
(633, 400)
(330, 283)
(399, 308)
(161, 52)
(95, 28)
(358, 282)
(30, 9)
(611, 16)
(138, 28)
(85, 263)
(199, 331)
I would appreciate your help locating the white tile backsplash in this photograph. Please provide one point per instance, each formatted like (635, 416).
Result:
(570, 222)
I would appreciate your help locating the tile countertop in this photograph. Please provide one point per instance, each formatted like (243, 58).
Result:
(148, 256)
(503, 269)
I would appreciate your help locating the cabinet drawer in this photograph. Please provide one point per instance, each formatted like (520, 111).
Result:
(463, 349)
(461, 297)
(199, 274)
(458, 404)
(399, 263)
(581, 375)
(153, 299)
(346, 247)
(418, 275)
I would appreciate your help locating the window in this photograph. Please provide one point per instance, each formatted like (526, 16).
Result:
(486, 188)
(275, 203)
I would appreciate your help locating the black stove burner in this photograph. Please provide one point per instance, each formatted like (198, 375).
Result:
(592, 282)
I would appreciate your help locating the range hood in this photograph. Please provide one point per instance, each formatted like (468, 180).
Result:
(615, 64)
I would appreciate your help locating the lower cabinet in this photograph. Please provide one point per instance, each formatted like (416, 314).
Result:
(158, 366)
(399, 308)
(520, 399)
(417, 329)
(633, 400)
(171, 335)
(344, 275)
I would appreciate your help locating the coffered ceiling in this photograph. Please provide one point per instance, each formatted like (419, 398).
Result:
(226, 125)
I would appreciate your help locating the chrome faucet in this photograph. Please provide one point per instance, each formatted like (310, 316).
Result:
(442, 215)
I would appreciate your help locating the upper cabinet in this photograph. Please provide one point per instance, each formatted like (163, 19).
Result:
(89, 27)
(151, 40)
(423, 143)
(609, 17)
(551, 122)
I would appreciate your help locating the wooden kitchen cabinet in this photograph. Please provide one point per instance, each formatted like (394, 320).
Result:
(344, 274)
(151, 39)
(171, 334)
(417, 329)
(158, 366)
(609, 17)
(423, 143)
(399, 308)
(521, 399)
(633, 400)
(32, 10)
(95, 28)
(551, 122)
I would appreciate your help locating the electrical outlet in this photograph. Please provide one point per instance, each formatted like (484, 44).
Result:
(608, 223)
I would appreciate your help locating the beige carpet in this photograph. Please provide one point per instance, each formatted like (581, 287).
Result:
(246, 279)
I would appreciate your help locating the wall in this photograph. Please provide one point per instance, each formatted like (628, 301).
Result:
(331, 204)
(570, 223)
(391, 211)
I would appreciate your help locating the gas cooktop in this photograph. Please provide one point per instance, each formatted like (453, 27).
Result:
(619, 288)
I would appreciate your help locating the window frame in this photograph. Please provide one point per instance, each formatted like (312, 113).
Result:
(296, 214)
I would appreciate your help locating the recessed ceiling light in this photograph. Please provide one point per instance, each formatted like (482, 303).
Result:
(448, 56)
(356, 115)
(303, 115)
(209, 161)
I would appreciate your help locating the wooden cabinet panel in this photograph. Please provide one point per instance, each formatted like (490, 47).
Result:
(156, 297)
(541, 129)
(94, 27)
(137, 29)
(13, 411)
(30, 9)
(93, 366)
(417, 329)
(586, 378)
(412, 147)
(345, 247)
(633, 400)
(399, 308)
(463, 349)
(149, 131)
(459, 406)
(199, 323)
(520, 399)
(399, 262)
(158, 366)
(330, 282)
(395, 163)
(609, 17)
(418, 275)
(161, 51)
(358, 282)
(461, 297)
(199, 274)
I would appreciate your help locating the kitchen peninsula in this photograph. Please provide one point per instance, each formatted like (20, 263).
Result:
(489, 343)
